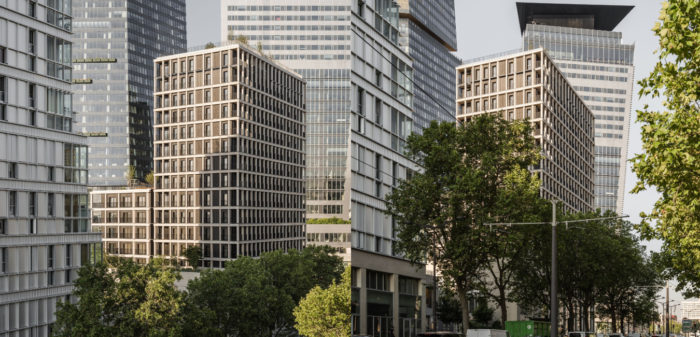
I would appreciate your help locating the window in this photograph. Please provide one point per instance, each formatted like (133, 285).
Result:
(510, 67)
(511, 84)
(224, 111)
(50, 204)
(528, 97)
(493, 103)
(3, 55)
(493, 71)
(207, 62)
(224, 61)
(68, 256)
(13, 203)
(511, 115)
(529, 64)
(378, 111)
(32, 203)
(224, 77)
(3, 226)
(191, 68)
(511, 100)
(360, 101)
(486, 104)
(4, 259)
(361, 8)
(12, 170)
(476, 106)
(207, 79)
(486, 72)
(528, 80)
(378, 77)
(528, 113)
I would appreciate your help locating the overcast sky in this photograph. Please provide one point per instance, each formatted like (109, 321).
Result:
(487, 27)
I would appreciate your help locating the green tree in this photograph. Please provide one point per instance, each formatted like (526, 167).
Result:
(482, 314)
(440, 211)
(193, 254)
(326, 312)
(149, 179)
(448, 308)
(256, 297)
(671, 141)
(131, 173)
(117, 297)
(209, 45)
(242, 39)
(237, 301)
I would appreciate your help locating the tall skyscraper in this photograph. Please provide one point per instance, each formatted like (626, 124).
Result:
(360, 111)
(427, 33)
(229, 155)
(600, 68)
(44, 219)
(115, 44)
(527, 85)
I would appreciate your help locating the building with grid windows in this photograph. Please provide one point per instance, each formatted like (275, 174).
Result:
(229, 155)
(44, 220)
(124, 217)
(115, 42)
(528, 86)
(427, 33)
(360, 111)
(599, 66)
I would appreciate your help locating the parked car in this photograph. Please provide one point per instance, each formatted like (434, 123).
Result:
(581, 334)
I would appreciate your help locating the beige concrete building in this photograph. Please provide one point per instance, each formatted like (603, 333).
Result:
(229, 155)
(124, 216)
(528, 85)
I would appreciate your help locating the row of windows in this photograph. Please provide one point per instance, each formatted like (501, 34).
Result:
(602, 90)
(288, 8)
(235, 18)
(596, 77)
(592, 67)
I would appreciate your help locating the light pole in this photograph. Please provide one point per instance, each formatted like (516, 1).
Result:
(553, 292)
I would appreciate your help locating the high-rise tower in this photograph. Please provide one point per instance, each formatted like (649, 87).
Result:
(600, 68)
(115, 43)
(427, 33)
(44, 221)
(359, 101)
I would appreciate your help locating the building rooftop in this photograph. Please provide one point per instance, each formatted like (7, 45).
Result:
(599, 17)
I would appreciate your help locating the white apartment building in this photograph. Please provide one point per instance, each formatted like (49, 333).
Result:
(44, 220)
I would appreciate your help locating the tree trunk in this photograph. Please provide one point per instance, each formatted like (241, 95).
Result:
(584, 318)
(613, 319)
(464, 303)
(504, 311)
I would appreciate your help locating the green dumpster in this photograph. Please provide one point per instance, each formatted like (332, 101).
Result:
(527, 328)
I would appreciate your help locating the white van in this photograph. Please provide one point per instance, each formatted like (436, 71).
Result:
(487, 333)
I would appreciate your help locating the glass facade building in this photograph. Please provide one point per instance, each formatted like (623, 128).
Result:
(427, 33)
(115, 43)
(44, 220)
(599, 65)
(360, 101)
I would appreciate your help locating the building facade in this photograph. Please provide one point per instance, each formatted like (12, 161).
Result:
(124, 217)
(44, 221)
(599, 66)
(360, 111)
(229, 155)
(528, 86)
(427, 33)
(115, 43)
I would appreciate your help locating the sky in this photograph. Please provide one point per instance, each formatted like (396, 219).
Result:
(487, 27)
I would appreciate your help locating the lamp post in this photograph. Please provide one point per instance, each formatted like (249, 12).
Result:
(554, 301)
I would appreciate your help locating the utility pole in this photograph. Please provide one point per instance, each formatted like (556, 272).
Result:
(667, 316)
(554, 301)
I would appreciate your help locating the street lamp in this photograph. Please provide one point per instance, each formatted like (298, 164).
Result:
(554, 302)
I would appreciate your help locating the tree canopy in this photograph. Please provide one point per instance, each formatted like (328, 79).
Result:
(326, 312)
(671, 142)
(470, 173)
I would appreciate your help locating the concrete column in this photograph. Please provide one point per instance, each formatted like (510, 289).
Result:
(395, 302)
(362, 280)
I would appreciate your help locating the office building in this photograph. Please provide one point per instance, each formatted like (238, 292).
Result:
(44, 221)
(229, 155)
(599, 66)
(360, 111)
(115, 43)
(427, 33)
(690, 309)
(124, 217)
(528, 86)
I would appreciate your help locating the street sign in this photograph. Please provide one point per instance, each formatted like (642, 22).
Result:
(687, 325)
